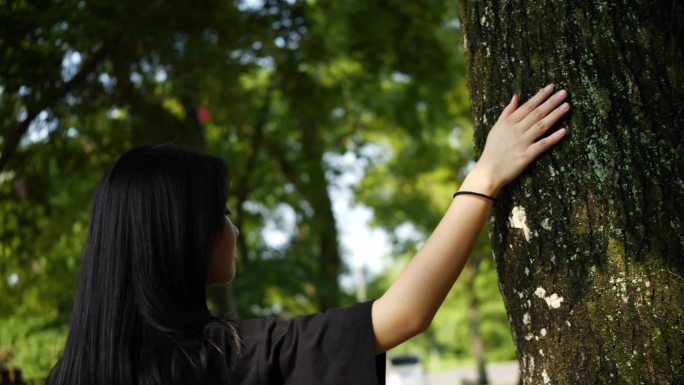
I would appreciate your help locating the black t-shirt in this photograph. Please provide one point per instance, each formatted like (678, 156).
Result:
(334, 347)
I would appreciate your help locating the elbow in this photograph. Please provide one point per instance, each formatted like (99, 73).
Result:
(419, 326)
(393, 325)
(424, 325)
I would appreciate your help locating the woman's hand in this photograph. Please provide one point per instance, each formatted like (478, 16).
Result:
(511, 145)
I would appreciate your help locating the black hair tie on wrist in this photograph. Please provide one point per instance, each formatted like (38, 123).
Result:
(475, 193)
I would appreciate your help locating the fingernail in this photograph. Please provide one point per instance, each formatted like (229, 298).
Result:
(548, 88)
(512, 99)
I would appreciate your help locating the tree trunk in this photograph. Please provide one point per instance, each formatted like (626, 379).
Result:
(473, 306)
(311, 183)
(330, 262)
(308, 174)
(588, 241)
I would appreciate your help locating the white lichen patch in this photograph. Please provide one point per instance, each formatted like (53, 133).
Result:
(545, 377)
(546, 224)
(518, 220)
(526, 318)
(553, 301)
(543, 332)
(568, 323)
(527, 271)
(541, 352)
(529, 337)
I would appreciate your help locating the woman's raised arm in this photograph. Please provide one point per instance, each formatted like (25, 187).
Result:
(408, 306)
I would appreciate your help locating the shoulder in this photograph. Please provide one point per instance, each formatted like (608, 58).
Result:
(358, 314)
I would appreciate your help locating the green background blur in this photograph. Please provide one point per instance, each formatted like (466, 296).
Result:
(282, 90)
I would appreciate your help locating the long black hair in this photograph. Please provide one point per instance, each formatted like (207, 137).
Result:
(140, 314)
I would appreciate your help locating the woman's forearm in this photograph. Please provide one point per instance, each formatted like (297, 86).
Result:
(409, 305)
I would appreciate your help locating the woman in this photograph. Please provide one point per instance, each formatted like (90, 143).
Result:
(158, 236)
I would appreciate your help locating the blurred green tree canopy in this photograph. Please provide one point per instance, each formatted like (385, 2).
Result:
(273, 86)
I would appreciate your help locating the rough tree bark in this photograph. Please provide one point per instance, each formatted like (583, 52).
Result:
(588, 241)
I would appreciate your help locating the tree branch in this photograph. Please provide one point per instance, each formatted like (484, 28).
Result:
(12, 142)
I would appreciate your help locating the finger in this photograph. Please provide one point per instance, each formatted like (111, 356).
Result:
(540, 127)
(542, 111)
(538, 147)
(512, 105)
(531, 104)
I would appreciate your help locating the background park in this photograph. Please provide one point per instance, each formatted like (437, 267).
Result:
(347, 125)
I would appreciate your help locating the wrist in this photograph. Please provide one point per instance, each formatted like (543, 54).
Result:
(481, 180)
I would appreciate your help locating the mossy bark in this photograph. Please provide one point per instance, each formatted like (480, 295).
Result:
(588, 241)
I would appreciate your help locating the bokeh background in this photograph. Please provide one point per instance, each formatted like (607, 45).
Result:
(345, 124)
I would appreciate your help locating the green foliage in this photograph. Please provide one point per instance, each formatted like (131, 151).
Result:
(32, 343)
(285, 83)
